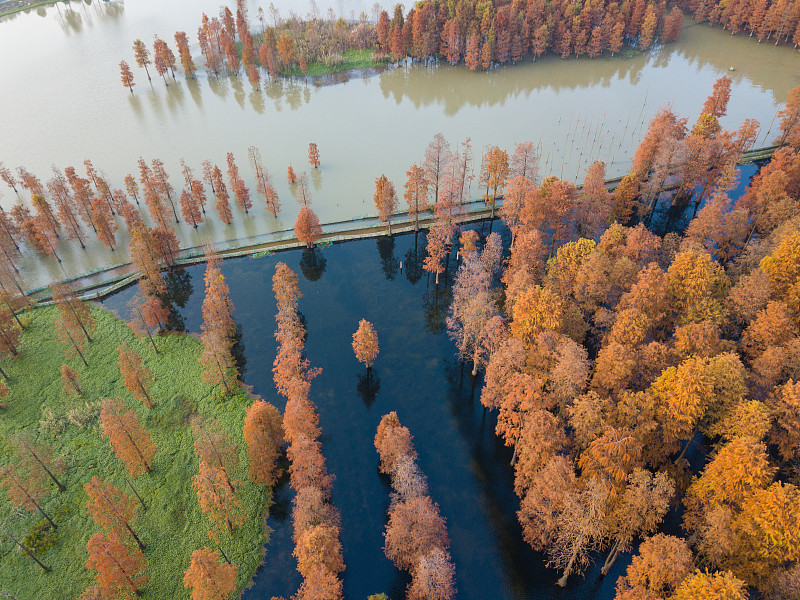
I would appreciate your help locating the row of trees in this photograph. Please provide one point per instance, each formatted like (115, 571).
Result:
(68, 204)
(672, 157)
(416, 535)
(777, 20)
(316, 521)
(618, 348)
(481, 34)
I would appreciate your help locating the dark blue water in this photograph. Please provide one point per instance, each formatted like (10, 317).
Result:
(417, 375)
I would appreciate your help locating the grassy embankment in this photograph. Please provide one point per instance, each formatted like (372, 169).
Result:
(173, 525)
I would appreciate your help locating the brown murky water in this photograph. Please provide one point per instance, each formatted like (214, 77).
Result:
(62, 102)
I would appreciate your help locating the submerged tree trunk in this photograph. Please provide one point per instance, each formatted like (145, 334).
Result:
(568, 569)
(612, 556)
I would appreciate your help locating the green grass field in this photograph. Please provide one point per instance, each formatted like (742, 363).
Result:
(173, 525)
(352, 59)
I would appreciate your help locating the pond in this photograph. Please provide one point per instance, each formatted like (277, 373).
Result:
(416, 374)
(62, 102)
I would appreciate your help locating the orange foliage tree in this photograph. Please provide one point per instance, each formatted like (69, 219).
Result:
(142, 55)
(656, 571)
(75, 320)
(190, 209)
(147, 314)
(126, 75)
(111, 509)
(385, 200)
(313, 155)
(218, 328)
(416, 537)
(237, 185)
(182, 42)
(69, 381)
(119, 568)
(222, 196)
(263, 434)
(365, 343)
(416, 193)
(494, 173)
(131, 442)
(214, 446)
(208, 578)
(25, 489)
(104, 222)
(307, 228)
(218, 500)
(136, 377)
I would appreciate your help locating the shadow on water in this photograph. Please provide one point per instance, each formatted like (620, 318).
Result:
(238, 351)
(179, 290)
(413, 262)
(675, 218)
(386, 251)
(369, 384)
(312, 264)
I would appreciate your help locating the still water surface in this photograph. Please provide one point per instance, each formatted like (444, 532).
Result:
(62, 102)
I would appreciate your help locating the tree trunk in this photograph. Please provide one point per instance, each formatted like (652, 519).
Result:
(685, 448)
(222, 376)
(61, 488)
(78, 350)
(152, 341)
(136, 537)
(77, 318)
(146, 395)
(139, 452)
(28, 552)
(135, 493)
(16, 318)
(41, 510)
(612, 556)
(3, 373)
(568, 569)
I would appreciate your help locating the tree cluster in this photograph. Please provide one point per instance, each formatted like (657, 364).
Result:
(69, 203)
(777, 20)
(416, 535)
(674, 161)
(618, 348)
(119, 564)
(481, 34)
(316, 521)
